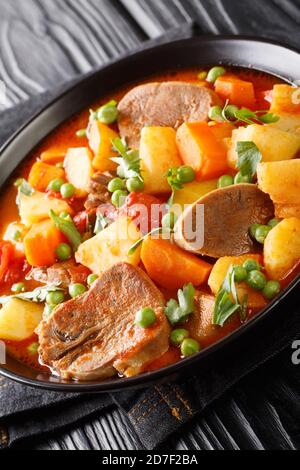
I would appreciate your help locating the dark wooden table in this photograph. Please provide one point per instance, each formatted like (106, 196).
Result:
(44, 43)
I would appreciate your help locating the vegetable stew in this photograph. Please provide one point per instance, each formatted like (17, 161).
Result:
(152, 225)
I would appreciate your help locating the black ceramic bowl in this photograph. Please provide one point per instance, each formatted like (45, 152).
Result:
(258, 54)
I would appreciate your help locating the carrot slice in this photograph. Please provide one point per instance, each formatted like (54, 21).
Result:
(41, 174)
(171, 267)
(41, 242)
(237, 91)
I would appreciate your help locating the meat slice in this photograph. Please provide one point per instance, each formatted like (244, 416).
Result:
(228, 215)
(60, 274)
(94, 335)
(163, 104)
(97, 189)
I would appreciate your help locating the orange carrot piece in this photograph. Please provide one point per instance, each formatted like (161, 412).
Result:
(202, 147)
(53, 155)
(171, 267)
(41, 174)
(40, 243)
(237, 91)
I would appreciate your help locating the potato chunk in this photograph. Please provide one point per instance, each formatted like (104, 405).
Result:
(274, 144)
(19, 319)
(100, 141)
(285, 99)
(110, 247)
(288, 122)
(282, 248)
(36, 207)
(158, 153)
(78, 167)
(194, 191)
(281, 180)
(218, 274)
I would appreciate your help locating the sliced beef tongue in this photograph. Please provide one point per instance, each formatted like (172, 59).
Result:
(60, 274)
(94, 336)
(98, 192)
(163, 104)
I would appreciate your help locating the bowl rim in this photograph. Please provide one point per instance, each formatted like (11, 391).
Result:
(143, 380)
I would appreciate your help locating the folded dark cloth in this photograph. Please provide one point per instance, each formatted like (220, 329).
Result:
(156, 412)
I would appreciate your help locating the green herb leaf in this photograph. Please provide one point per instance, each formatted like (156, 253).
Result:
(129, 160)
(101, 223)
(178, 312)
(160, 230)
(68, 228)
(24, 187)
(227, 303)
(249, 156)
(269, 118)
(38, 295)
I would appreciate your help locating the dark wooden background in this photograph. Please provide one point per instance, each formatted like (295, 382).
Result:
(43, 43)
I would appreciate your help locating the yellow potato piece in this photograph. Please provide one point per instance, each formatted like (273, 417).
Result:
(286, 98)
(78, 168)
(36, 207)
(110, 247)
(19, 319)
(281, 180)
(100, 141)
(194, 191)
(158, 153)
(274, 144)
(282, 248)
(288, 122)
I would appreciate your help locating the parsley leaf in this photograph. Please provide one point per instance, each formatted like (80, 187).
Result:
(227, 303)
(129, 160)
(177, 312)
(101, 223)
(172, 177)
(38, 295)
(249, 156)
(24, 187)
(269, 118)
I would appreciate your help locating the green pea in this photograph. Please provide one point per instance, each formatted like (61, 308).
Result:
(225, 181)
(63, 252)
(118, 198)
(257, 280)
(115, 185)
(231, 111)
(189, 347)
(91, 279)
(240, 178)
(145, 317)
(67, 190)
(274, 222)
(271, 289)
(18, 287)
(33, 348)
(169, 220)
(261, 233)
(135, 185)
(251, 265)
(215, 73)
(55, 297)
(178, 336)
(55, 185)
(253, 229)
(202, 75)
(48, 310)
(108, 114)
(186, 174)
(240, 273)
(215, 114)
(76, 289)
(81, 133)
